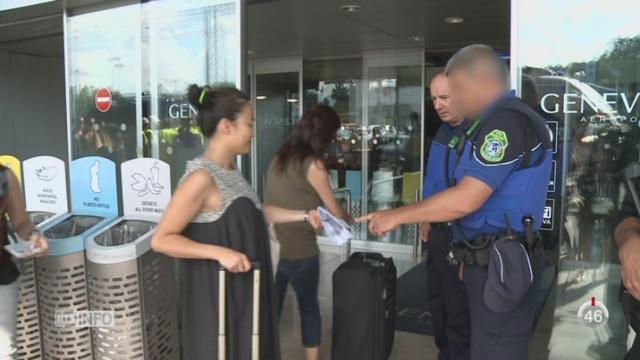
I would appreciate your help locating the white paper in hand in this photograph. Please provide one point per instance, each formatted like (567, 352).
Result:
(336, 229)
(22, 250)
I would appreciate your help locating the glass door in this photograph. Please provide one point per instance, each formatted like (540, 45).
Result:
(588, 92)
(276, 97)
(392, 137)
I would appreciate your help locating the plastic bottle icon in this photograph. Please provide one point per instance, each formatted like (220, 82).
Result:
(95, 179)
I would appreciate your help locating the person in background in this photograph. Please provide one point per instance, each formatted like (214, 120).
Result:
(499, 183)
(216, 219)
(627, 237)
(447, 297)
(12, 207)
(298, 178)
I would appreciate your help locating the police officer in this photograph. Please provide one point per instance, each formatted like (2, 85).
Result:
(627, 237)
(447, 297)
(495, 202)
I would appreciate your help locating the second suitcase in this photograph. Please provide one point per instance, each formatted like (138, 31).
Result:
(364, 301)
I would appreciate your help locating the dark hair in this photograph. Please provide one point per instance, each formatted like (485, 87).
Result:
(214, 105)
(310, 136)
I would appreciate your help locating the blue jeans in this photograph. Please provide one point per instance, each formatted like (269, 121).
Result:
(304, 276)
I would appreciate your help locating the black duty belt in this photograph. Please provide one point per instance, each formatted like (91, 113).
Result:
(440, 226)
(477, 251)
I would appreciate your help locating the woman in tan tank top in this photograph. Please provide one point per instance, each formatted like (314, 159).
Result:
(298, 179)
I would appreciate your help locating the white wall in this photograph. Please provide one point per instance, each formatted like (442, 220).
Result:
(32, 106)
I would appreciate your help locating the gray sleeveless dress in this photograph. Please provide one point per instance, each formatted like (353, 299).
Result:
(239, 224)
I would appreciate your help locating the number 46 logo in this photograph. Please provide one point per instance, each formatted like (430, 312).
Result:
(593, 313)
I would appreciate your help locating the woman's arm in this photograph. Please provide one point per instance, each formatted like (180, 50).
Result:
(197, 192)
(318, 177)
(20, 220)
(278, 215)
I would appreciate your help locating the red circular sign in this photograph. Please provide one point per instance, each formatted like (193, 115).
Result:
(103, 99)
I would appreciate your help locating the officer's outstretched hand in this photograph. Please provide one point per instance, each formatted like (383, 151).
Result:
(630, 260)
(425, 228)
(380, 222)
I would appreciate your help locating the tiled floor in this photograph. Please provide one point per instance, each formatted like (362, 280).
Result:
(407, 346)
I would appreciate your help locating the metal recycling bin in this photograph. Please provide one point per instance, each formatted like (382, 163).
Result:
(28, 339)
(62, 287)
(137, 286)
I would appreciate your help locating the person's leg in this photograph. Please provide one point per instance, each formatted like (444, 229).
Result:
(631, 308)
(500, 336)
(634, 352)
(436, 256)
(8, 307)
(305, 280)
(456, 303)
(281, 283)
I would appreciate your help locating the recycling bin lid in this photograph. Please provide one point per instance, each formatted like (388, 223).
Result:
(72, 226)
(124, 239)
(38, 217)
(67, 232)
(124, 232)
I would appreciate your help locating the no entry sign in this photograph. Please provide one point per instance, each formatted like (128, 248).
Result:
(103, 99)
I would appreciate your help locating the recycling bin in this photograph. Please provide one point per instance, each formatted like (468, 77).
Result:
(28, 340)
(137, 286)
(61, 285)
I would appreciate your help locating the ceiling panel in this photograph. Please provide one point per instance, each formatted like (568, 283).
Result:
(319, 28)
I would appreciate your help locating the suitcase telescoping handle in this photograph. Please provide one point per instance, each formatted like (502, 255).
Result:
(222, 313)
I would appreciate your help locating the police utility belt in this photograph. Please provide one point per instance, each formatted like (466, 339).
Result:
(476, 252)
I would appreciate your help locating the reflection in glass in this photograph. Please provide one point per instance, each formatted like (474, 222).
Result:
(588, 89)
(338, 83)
(277, 106)
(186, 43)
(394, 135)
(102, 51)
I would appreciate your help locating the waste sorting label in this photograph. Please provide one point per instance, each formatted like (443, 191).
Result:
(146, 187)
(45, 184)
(93, 185)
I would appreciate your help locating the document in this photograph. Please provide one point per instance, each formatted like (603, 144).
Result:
(336, 229)
(22, 250)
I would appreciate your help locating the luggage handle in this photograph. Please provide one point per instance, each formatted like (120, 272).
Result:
(222, 313)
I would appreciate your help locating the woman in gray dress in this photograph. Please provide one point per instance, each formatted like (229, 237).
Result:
(215, 217)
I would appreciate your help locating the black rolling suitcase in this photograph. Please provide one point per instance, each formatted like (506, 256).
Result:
(364, 301)
(222, 318)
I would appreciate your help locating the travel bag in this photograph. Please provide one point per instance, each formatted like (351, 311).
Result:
(364, 301)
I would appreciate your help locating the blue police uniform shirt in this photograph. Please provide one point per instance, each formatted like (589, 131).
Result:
(494, 156)
(435, 179)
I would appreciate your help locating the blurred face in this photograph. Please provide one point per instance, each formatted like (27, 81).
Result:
(242, 131)
(442, 101)
(470, 94)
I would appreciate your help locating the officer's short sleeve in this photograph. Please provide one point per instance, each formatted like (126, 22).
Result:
(496, 150)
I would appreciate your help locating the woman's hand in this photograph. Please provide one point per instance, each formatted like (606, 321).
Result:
(314, 219)
(233, 261)
(39, 241)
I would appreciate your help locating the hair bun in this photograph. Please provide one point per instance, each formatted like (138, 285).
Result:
(193, 94)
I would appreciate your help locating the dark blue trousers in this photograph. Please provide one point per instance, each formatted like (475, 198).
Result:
(448, 302)
(501, 336)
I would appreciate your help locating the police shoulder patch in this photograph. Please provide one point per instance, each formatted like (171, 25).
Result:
(494, 146)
